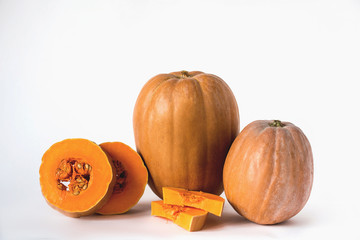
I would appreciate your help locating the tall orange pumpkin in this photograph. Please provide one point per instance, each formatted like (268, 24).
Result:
(268, 172)
(184, 124)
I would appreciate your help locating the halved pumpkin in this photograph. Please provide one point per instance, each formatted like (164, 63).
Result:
(76, 177)
(131, 178)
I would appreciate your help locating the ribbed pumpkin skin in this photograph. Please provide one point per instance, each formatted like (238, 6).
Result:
(184, 124)
(268, 172)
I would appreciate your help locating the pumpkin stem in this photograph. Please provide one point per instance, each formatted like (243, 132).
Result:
(276, 123)
(184, 74)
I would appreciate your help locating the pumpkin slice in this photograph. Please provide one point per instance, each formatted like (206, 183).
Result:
(76, 177)
(131, 178)
(205, 201)
(189, 218)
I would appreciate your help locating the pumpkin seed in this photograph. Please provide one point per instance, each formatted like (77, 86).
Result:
(76, 192)
(61, 186)
(68, 168)
(85, 186)
(123, 174)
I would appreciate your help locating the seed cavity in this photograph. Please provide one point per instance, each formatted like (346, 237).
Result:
(191, 198)
(73, 175)
(173, 211)
(121, 177)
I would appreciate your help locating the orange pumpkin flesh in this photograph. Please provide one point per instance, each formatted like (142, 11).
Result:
(131, 178)
(201, 200)
(189, 218)
(76, 177)
(268, 172)
(184, 124)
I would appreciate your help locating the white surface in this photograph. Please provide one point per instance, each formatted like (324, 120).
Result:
(74, 69)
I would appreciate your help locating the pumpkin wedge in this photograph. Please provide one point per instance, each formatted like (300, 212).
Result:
(201, 200)
(131, 178)
(76, 177)
(189, 218)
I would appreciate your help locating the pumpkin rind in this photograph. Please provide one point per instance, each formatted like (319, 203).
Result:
(100, 184)
(268, 172)
(184, 124)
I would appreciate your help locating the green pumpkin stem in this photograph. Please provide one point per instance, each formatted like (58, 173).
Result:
(276, 123)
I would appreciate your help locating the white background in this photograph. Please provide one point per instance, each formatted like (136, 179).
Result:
(75, 68)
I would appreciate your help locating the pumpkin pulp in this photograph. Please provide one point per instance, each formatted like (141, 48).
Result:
(73, 175)
(120, 175)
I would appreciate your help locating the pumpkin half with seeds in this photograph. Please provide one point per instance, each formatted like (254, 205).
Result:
(76, 177)
(131, 178)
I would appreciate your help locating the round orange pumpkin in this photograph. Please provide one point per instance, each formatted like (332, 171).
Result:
(268, 172)
(184, 124)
